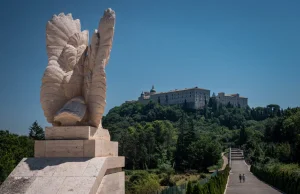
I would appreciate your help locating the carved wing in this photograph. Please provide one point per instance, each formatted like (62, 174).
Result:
(94, 88)
(63, 77)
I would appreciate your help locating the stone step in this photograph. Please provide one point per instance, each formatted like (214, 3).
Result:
(237, 154)
(236, 151)
(237, 158)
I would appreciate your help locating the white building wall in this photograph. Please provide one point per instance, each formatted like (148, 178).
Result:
(234, 99)
(194, 97)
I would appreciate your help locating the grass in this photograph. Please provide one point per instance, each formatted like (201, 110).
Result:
(177, 178)
(180, 179)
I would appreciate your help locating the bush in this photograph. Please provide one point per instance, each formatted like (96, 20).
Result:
(142, 182)
(285, 177)
(216, 185)
(202, 176)
(196, 189)
(165, 180)
(166, 168)
(189, 188)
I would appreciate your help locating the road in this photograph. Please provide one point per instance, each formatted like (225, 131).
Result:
(252, 184)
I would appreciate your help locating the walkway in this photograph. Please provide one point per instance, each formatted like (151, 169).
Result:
(225, 161)
(252, 185)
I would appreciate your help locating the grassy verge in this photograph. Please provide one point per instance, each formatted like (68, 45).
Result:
(180, 179)
(136, 179)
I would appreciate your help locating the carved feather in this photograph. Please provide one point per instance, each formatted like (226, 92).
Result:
(63, 77)
(74, 83)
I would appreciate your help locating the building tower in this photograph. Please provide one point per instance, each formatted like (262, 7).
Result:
(152, 91)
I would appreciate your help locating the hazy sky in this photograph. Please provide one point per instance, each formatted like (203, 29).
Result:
(246, 47)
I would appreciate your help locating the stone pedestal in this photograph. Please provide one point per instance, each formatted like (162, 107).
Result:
(70, 160)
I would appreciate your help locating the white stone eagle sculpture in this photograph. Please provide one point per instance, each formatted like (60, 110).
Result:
(73, 87)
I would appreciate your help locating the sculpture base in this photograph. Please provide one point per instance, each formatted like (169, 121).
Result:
(76, 132)
(79, 159)
(67, 175)
(75, 148)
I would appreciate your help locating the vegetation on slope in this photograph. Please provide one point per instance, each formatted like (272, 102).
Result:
(172, 141)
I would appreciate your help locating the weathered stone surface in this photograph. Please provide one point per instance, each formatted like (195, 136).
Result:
(16, 185)
(76, 133)
(75, 148)
(72, 112)
(64, 175)
(76, 71)
(100, 148)
(64, 148)
(112, 184)
(39, 148)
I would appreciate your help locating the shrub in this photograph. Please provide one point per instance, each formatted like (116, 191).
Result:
(189, 188)
(216, 185)
(285, 177)
(196, 189)
(166, 168)
(143, 182)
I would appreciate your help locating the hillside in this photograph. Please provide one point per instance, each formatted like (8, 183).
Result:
(176, 138)
(151, 135)
(167, 145)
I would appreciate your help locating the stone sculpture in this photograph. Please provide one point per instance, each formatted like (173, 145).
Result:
(77, 155)
(73, 87)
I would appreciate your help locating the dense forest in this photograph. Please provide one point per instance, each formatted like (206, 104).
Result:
(151, 135)
(175, 139)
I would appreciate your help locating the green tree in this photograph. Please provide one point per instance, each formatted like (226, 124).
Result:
(283, 152)
(181, 154)
(36, 132)
(196, 189)
(243, 136)
(189, 189)
(13, 148)
(203, 153)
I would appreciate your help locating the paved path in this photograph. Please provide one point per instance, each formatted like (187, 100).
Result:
(225, 161)
(252, 184)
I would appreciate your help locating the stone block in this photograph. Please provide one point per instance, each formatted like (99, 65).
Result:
(75, 148)
(100, 148)
(80, 185)
(39, 148)
(66, 175)
(112, 184)
(76, 133)
(64, 148)
(49, 185)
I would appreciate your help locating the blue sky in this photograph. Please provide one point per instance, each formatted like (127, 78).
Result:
(246, 47)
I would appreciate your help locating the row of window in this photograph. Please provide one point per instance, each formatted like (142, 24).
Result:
(176, 97)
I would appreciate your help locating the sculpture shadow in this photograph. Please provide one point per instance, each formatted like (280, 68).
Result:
(41, 163)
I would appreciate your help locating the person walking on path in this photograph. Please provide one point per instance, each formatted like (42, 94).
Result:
(240, 176)
(244, 178)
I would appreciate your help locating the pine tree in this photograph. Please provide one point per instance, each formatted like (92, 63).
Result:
(36, 132)
(196, 189)
(181, 149)
(189, 189)
(243, 136)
